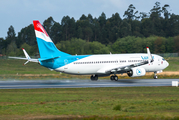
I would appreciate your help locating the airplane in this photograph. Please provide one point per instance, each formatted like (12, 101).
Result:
(134, 64)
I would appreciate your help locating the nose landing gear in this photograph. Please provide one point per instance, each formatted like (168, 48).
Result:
(155, 75)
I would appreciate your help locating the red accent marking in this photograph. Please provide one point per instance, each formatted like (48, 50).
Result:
(39, 27)
(147, 47)
(22, 48)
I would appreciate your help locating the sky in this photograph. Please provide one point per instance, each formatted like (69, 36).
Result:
(21, 13)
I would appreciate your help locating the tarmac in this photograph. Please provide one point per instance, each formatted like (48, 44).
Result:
(80, 83)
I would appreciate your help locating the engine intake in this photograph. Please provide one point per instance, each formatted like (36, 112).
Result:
(136, 72)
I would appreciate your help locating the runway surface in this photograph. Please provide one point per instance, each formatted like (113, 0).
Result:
(27, 84)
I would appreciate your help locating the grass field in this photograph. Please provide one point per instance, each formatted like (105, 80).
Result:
(91, 103)
(173, 64)
(13, 66)
(84, 103)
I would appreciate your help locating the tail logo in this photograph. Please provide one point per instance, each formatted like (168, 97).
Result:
(42, 29)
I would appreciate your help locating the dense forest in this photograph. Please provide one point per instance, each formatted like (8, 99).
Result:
(157, 29)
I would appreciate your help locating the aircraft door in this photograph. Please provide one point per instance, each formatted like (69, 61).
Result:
(119, 61)
(159, 61)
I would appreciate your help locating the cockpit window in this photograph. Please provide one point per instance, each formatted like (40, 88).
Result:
(163, 59)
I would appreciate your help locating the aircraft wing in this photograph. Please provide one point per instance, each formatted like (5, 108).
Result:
(125, 68)
(118, 69)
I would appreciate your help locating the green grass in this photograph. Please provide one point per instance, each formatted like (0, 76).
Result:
(91, 103)
(173, 64)
(13, 66)
(85, 103)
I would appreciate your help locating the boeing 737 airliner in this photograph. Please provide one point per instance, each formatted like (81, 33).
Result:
(134, 65)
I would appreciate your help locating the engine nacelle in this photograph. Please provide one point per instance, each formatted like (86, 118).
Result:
(136, 72)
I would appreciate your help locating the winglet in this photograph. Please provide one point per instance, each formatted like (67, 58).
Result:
(26, 55)
(149, 55)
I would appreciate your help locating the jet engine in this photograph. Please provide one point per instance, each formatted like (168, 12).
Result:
(136, 72)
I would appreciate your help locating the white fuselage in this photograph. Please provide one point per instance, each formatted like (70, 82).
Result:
(99, 64)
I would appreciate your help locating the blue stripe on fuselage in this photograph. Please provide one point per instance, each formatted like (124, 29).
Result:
(61, 61)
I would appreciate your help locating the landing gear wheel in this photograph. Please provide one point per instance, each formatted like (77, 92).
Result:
(155, 77)
(94, 77)
(114, 78)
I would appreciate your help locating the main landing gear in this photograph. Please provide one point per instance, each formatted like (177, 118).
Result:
(114, 77)
(94, 77)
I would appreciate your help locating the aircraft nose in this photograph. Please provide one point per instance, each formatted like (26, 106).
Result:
(167, 64)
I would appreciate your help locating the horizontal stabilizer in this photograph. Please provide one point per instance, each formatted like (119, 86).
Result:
(28, 58)
(20, 58)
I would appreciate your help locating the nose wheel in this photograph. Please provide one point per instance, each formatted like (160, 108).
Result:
(114, 78)
(155, 75)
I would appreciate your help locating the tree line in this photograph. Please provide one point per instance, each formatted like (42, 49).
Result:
(157, 29)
